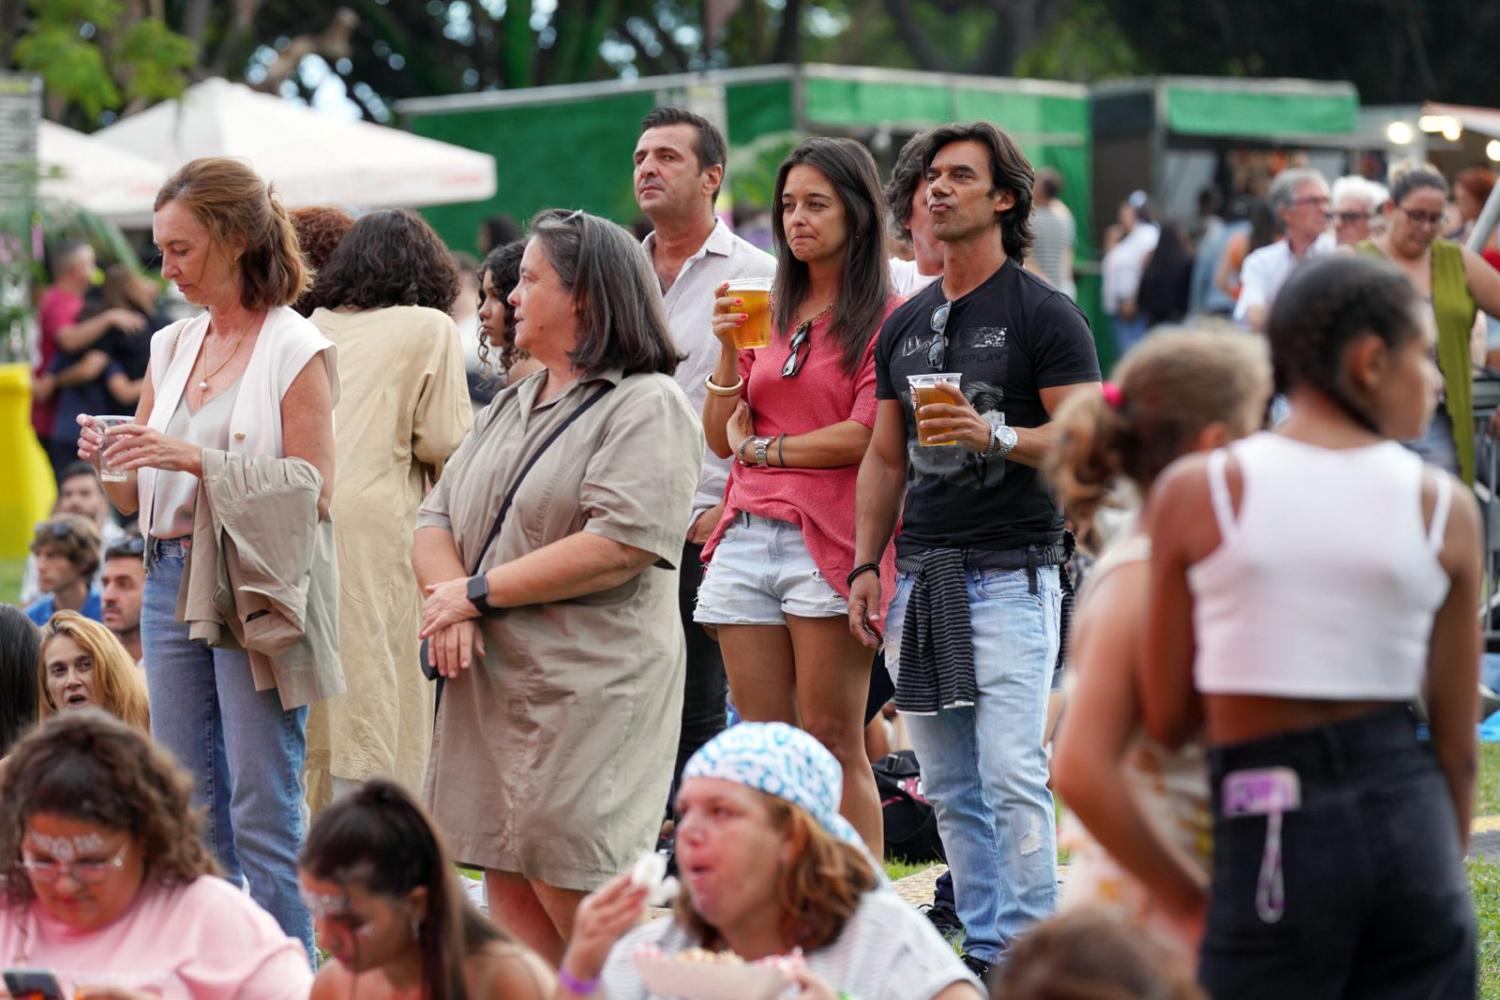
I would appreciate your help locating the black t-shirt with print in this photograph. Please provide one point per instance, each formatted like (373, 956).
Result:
(1011, 337)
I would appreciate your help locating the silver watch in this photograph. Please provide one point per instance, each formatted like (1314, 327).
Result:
(1002, 441)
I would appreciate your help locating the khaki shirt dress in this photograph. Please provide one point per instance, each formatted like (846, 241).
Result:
(552, 758)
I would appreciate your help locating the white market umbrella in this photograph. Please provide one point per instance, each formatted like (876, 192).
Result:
(312, 157)
(106, 180)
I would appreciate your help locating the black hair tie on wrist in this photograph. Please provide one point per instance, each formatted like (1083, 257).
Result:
(861, 570)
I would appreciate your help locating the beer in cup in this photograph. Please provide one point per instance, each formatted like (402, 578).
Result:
(755, 294)
(925, 392)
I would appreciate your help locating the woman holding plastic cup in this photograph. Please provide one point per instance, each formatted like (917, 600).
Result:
(797, 414)
(247, 378)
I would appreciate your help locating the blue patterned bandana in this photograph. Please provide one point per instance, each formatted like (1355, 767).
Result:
(783, 761)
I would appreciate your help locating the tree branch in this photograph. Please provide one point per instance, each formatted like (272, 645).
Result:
(910, 32)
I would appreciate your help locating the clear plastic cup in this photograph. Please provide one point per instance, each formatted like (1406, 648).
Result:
(925, 392)
(755, 293)
(105, 424)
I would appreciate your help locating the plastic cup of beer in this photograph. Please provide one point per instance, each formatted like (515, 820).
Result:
(755, 294)
(925, 392)
(104, 425)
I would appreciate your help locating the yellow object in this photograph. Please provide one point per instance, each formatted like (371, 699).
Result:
(27, 490)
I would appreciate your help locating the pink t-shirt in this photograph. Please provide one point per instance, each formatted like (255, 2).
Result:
(202, 941)
(819, 501)
(59, 308)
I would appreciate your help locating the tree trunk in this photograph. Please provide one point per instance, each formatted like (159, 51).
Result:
(789, 38)
(910, 31)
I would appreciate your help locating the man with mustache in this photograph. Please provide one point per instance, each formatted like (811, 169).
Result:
(679, 168)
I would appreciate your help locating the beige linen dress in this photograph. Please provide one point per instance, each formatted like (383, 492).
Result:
(404, 409)
(552, 757)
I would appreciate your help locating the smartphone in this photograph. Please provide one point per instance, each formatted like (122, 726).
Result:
(33, 984)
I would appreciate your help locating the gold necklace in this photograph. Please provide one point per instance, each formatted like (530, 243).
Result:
(206, 374)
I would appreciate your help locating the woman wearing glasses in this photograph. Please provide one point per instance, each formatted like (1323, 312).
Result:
(1455, 282)
(797, 415)
(106, 882)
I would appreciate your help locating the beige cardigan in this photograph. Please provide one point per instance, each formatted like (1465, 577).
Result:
(263, 563)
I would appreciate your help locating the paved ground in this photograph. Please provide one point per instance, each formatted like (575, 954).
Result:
(1485, 841)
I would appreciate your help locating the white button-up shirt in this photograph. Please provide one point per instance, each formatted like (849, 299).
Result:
(690, 309)
(1266, 270)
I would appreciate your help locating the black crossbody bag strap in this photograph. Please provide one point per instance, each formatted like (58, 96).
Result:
(510, 496)
(515, 485)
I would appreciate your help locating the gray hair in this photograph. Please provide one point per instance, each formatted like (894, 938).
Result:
(621, 323)
(1361, 189)
(1284, 187)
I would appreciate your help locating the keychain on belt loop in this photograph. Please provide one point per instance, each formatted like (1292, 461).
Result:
(1270, 792)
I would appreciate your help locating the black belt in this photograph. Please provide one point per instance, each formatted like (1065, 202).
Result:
(1029, 558)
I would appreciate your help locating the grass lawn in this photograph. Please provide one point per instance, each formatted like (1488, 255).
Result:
(10, 579)
(1484, 884)
(1487, 789)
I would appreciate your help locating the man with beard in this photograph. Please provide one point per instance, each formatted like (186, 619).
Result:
(971, 634)
(123, 581)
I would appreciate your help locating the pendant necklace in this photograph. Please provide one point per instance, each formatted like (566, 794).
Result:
(206, 374)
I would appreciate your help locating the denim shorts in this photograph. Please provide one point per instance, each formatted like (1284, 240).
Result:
(760, 573)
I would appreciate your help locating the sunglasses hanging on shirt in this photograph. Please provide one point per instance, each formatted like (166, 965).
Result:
(801, 338)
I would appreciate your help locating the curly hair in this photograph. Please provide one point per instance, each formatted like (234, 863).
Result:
(91, 767)
(1172, 385)
(503, 265)
(388, 258)
(121, 684)
(1322, 308)
(819, 891)
(901, 187)
(320, 230)
(74, 537)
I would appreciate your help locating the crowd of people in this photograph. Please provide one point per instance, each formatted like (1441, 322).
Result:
(602, 549)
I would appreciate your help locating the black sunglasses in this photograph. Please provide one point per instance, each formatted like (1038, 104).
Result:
(937, 355)
(134, 546)
(800, 339)
(55, 529)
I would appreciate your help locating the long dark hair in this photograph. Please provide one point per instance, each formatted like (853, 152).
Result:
(388, 258)
(382, 840)
(1326, 304)
(20, 644)
(866, 281)
(621, 323)
(503, 265)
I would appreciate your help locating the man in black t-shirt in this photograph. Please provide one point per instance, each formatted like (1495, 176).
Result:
(972, 629)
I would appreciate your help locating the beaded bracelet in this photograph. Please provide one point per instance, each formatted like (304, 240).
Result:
(577, 987)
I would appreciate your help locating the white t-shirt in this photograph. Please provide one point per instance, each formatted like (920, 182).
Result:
(888, 951)
(906, 280)
(1266, 270)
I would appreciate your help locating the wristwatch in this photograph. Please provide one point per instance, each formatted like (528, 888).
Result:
(1002, 441)
(479, 593)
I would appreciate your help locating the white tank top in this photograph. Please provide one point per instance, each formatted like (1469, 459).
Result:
(1326, 583)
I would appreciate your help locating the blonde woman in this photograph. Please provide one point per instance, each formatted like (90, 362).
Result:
(83, 665)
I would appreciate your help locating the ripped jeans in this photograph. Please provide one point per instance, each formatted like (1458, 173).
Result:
(983, 768)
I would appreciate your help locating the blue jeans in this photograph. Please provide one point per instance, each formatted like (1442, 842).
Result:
(983, 768)
(244, 751)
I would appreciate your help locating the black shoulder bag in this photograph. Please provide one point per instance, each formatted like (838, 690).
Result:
(427, 668)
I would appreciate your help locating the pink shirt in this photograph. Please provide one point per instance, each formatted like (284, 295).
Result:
(819, 501)
(59, 308)
(202, 941)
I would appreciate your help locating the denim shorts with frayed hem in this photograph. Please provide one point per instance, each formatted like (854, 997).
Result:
(760, 573)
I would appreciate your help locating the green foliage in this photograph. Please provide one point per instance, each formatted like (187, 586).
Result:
(154, 61)
(69, 67)
(1083, 46)
(95, 55)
